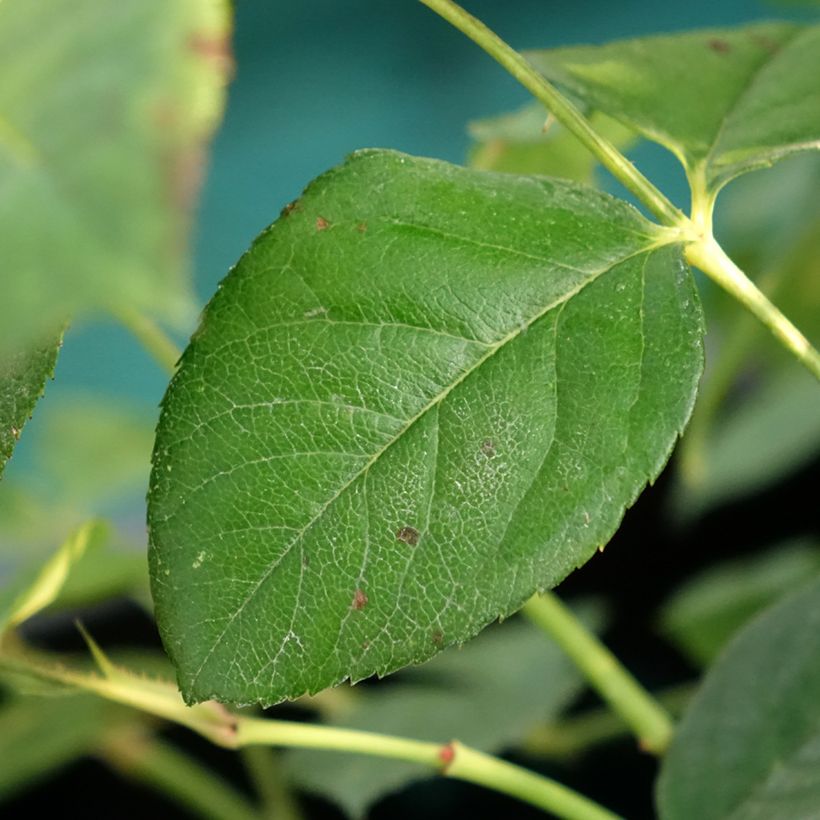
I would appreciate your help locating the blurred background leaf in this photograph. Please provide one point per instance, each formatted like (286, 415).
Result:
(528, 141)
(101, 140)
(709, 608)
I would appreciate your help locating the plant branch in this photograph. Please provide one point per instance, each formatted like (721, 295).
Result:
(649, 721)
(265, 771)
(563, 110)
(234, 731)
(707, 255)
(152, 337)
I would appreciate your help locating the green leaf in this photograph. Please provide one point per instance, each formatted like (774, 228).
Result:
(39, 589)
(103, 118)
(423, 394)
(23, 379)
(510, 676)
(724, 101)
(702, 616)
(749, 744)
(526, 142)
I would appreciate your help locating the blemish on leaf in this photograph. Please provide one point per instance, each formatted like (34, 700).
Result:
(719, 46)
(410, 535)
(290, 208)
(199, 559)
(216, 50)
(359, 600)
(446, 755)
(15, 432)
(765, 42)
(438, 637)
(362, 227)
(321, 223)
(314, 312)
(488, 447)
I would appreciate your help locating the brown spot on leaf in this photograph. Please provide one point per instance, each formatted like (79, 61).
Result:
(438, 637)
(410, 535)
(765, 42)
(359, 600)
(290, 208)
(215, 50)
(488, 447)
(362, 227)
(446, 755)
(321, 223)
(719, 46)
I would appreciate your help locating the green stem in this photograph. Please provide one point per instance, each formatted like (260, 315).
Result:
(151, 336)
(647, 718)
(451, 759)
(563, 110)
(235, 731)
(171, 772)
(265, 771)
(707, 255)
(576, 735)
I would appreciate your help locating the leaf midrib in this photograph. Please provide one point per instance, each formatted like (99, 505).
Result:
(435, 401)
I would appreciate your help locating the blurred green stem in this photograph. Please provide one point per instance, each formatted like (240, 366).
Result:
(265, 771)
(649, 721)
(563, 110)
(152, 337)
(173, 773)
(577, 734)
(235, 731)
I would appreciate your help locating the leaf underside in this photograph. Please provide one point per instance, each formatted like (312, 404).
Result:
(725, 101)
(424, 393)
(749, 744)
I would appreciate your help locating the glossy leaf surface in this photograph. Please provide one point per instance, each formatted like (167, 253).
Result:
(104, 109)
(748, 747)
(423, 394)
(725, 101)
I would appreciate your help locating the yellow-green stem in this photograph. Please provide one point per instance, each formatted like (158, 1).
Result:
(563, 110)
(649, 721)
(152, 337)
(707, 255)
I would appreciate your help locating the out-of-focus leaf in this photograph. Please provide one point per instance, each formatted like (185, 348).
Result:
(748, 746)
(704, 614)
(89, 451)
(724, 101)
(774, 430)
(22, 381)
(40, 735)
(40, 587)
(488, 694)
(424, 393)
(104, 112)
(518, 143)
